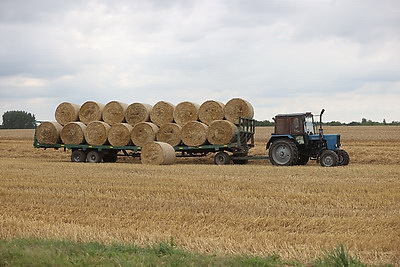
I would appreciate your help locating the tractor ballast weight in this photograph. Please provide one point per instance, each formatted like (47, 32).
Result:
(297, 138)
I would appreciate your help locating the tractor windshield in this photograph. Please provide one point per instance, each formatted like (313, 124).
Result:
(309, 124)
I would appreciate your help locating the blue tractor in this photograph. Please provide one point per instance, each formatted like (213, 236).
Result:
(297, 139)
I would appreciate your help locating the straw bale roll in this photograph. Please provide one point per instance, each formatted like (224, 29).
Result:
(158, 153)
(170, 133)
(194, 133)
(210, 111)
(143, 132)
(90, 111)
(237, 107)
(119, 134)
(221, 132)
(97, 133)
(162, 112)
(48, 132)
(185, 112)
(114, 112)
(66, 112)
(73, 133)
(138, 112)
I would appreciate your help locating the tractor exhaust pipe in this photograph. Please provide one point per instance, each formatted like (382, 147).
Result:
(321, 130)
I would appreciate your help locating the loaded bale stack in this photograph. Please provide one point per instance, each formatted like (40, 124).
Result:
(137, 124)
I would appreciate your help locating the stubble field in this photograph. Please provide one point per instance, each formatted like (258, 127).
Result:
(295, 212)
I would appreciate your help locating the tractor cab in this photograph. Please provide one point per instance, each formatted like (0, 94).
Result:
(298, 137)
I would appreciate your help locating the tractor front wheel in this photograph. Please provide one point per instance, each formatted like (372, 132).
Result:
(283, 152)
(344, 158)
(329, 158)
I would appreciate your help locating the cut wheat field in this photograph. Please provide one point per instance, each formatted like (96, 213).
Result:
(295, 212)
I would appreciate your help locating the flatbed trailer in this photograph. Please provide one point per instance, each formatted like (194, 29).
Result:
(239, 148)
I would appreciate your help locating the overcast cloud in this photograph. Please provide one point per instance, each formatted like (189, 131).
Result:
(282, 56)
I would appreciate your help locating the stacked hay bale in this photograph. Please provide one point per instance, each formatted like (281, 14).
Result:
(138, 124)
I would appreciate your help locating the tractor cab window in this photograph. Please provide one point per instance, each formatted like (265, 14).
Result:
(309, 125)
(296, 126)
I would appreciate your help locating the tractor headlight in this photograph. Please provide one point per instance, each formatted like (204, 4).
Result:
(300, 139)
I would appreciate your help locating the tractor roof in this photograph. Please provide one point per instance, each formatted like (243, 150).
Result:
(294, 114)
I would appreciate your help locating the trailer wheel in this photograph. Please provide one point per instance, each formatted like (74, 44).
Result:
(344, 158)
(78, 156)
(283, 152)
(329, 159)
(222, 158)
(94, 156)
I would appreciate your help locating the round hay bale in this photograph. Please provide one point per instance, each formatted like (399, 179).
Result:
(194, 133)
(210, 111)
(97, 133)
(158, 153)
(138, 112)
(185, 112)
(162, 112)
(237, 107)
(114, 112)
(48, 132)
(66, 112)
(90, 111)
(119, 134)
(144, 132)
(170, 133)
(221, 132)
(73, 133)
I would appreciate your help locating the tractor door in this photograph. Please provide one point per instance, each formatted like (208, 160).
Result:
(289, 125)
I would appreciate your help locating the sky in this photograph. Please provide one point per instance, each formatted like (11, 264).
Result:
(282, 56)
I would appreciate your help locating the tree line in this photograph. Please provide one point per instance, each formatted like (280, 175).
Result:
(18, 119)
(363, 122)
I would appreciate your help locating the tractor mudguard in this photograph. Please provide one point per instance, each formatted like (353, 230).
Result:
(275, 137)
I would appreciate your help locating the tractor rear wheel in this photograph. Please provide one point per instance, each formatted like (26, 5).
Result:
(222, 158)
(329, 158)
(344, 158)
(283, 152)
(94, 156)
(78, 156)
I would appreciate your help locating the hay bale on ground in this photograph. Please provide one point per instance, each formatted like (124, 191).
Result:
(194, 133)
(119, 134)
(144, 132)
(66, 112)
(48, 132)
(158, 153)
(221, 132)
(114, 112)
(73, 133)
(138, 112)
(210, 111)
(162, 112)
(185, 112)
(170, 133)
(237, 107)
(90, 111)
(97, 133)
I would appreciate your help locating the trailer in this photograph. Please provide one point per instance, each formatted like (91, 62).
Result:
(237, 151)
